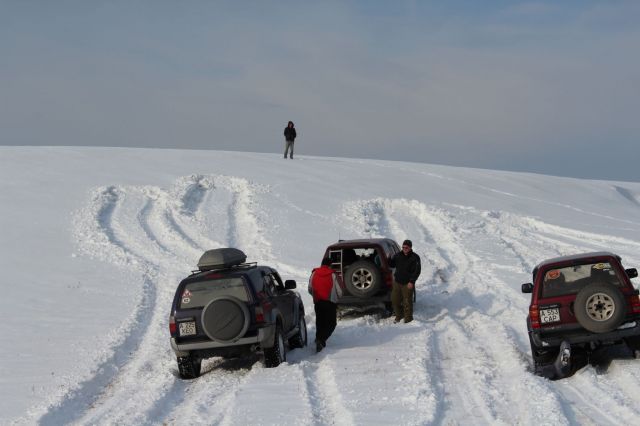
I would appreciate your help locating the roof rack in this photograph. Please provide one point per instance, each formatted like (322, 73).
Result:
(238, 266)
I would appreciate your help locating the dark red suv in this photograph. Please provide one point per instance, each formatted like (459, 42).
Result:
(364, 271)
(579, 304)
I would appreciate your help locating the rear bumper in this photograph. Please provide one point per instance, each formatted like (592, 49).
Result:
(348, 300)
(580, 335)
(264, 339)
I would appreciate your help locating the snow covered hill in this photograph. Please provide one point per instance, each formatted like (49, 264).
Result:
(95, 240)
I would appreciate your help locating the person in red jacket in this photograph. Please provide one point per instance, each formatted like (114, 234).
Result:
(325, 289)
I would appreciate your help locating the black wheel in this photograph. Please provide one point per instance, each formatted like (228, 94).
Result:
(277, 354)
(363, 278)
(600, 307)
(300, 339)
(189, 366)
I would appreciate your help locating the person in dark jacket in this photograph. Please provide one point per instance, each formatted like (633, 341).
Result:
(407, 264)
(289, 137)
(325, 289)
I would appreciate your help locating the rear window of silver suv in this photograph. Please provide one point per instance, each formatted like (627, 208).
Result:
(198, 294)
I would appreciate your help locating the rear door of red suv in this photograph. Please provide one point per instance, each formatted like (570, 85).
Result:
(559, 284)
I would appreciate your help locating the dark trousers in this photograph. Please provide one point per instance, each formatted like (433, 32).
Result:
(326, 319)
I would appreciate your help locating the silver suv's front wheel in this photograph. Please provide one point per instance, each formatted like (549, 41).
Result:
(277, 354)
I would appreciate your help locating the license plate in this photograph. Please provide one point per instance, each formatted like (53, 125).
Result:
(549, 315)
(187, 328)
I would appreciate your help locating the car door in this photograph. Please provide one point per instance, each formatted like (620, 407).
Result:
(284, 299)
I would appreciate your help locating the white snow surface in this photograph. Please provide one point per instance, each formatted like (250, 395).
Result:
(95, 240)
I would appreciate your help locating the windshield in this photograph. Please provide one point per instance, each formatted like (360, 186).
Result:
(198, 294)
(572, 279)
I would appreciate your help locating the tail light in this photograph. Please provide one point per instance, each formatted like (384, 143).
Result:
(389, 279)
(172, 325)
(263, 307)
(534, 315)
(259, 314)
(635, 304)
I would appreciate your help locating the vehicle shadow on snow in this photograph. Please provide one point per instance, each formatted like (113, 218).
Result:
(432, 307)
(231, 365)
(602, 358)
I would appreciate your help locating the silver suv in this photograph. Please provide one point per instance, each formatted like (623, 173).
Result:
(229, 308)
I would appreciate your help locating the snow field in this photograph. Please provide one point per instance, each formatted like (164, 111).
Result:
(464, 360)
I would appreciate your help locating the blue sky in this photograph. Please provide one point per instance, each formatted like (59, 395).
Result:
(545, 87)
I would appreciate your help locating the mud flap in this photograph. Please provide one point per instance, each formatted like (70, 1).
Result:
(563, 361)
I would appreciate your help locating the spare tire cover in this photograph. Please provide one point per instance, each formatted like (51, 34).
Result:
(225, 319)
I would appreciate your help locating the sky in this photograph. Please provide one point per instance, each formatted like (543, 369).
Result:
(543, 87)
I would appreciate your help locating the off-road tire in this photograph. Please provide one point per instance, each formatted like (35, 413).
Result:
(363, 279)
(300, 339)
(189, 367)
(276, 354)
(600, 307)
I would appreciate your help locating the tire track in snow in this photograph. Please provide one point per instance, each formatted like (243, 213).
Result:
(560, 241)
(123, 400)
(244, 229)
(181, 206)
(401, 219)
(439, 236)
(324, 394)
(546, 240)
(208, 399)
(450, 263)
(157, 239)
(95, 229)
(143, 218)
(456, 335)
(611, 406)
(628, 195)
(183, 222)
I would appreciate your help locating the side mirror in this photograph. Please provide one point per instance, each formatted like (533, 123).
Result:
(527, 288)
(631, 272)
(290, 284)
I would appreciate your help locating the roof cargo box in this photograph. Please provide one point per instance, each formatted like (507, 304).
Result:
(221, 258)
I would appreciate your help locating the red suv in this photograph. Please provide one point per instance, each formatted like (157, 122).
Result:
(364, 271)
(579, 304)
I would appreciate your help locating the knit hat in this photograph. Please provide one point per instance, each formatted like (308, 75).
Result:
(407, 243)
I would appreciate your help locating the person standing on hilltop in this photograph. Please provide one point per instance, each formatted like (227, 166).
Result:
(289, 137)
